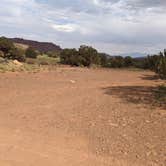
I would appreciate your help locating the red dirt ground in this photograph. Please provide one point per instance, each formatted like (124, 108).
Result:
(81, 117)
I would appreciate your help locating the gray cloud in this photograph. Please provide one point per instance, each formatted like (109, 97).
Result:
(147, 3)
(140, 3)
(114, 26)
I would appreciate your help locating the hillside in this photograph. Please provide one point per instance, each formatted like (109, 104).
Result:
(41, 46)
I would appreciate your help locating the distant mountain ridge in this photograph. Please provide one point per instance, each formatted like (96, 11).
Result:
(40, 46)
(134, 54)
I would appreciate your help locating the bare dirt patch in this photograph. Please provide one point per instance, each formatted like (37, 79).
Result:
(85, 117)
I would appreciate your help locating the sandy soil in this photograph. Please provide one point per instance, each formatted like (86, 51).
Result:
(81, 117)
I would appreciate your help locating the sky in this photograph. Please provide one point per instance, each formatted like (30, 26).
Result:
(111, 26)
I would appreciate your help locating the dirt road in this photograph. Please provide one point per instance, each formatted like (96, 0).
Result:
(81, 117)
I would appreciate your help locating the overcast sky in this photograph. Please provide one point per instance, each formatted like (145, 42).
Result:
(112, 26)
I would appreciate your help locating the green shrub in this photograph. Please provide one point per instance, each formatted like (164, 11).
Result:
(85, 56)
(31, 53)
(17, 54)
(128, 61)
(6, 45)
(9, 51)
(157, 63)
(46, 60)
(53, 54)
(69, 57)
(117, 62)
(103, 59)
(162, 67)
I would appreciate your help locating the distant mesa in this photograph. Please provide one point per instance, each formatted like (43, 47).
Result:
(40, 46)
